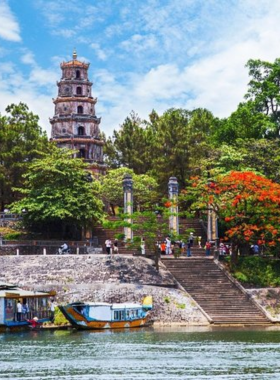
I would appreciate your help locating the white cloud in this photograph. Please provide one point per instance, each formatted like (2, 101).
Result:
(28, 58)
(99, 52)
(9, 29)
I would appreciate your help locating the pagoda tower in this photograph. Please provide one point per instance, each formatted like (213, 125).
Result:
(74, 124)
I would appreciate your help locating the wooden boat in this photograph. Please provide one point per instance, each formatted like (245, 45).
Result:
(101, 315)
(34, 305)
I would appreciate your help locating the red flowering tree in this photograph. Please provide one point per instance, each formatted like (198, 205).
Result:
(247, 203)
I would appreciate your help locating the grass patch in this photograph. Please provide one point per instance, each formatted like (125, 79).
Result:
(181, 306)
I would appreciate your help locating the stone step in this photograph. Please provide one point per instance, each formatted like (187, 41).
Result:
(221, 299)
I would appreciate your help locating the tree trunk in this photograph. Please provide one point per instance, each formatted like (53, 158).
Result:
(234, 253)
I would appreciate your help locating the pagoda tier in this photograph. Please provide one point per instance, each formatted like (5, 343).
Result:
(75, 124)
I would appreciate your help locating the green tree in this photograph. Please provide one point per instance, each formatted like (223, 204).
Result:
(258, 155)
(21, 141)
(144, 189)
(129, 146)
(178, 140)
(245, 123)
(264, 90)
(57, 193)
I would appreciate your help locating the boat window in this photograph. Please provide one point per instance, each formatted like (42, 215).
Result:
(137, 313)
(119, 315)
(122, 315)
(127, 314)
(132, 314)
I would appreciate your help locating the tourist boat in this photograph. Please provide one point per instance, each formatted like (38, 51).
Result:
(34, 305)
(101, 315)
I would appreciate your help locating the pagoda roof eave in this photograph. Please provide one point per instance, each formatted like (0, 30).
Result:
(74, 63)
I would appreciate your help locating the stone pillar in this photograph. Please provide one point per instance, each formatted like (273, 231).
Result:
(173, 190)
(128, 204)
(209, 223)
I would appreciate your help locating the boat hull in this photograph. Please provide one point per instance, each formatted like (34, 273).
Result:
(80, 322)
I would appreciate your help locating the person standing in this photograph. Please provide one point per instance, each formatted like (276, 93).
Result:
(142, 246)
(208, 248)
(116, 248)
(19, 311)
(108, 245)
(189, 245)
(168, 246)
(52, 309)
(163, 248)
(191, 239)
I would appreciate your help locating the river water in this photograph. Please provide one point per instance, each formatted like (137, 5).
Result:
(142, 354)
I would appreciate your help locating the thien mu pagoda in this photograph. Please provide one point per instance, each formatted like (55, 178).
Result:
(74, 124)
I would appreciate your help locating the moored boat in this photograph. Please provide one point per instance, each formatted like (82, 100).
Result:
(102, 315)
(18, 307)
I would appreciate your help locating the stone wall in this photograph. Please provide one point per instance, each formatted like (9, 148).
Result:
(37, 250)
(101, 278)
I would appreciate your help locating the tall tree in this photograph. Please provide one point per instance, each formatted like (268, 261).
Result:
(21, 141)
(144, 189)
(57, 192)
(129, 146)
(246, 203)
(178, 140)
(245, 123)
(264, 90)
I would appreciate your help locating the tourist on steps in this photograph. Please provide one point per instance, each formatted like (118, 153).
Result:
(108, 245)
(208, 248)
(168, 246)
(189, 245)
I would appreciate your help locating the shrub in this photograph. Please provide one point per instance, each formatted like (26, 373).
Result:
(241, 277)
(12, 236)
(257, 271)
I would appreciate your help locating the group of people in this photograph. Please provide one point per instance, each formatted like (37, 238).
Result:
(169, 247)
(111, 246)
(22, 313)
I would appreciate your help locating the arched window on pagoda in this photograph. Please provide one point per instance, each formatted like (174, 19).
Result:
(79, 91)
(80, 109)
(78, 74)
(81, 131)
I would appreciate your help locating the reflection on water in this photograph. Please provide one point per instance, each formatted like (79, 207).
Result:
(181, 353)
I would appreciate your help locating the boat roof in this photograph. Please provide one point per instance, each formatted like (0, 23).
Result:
(125, 305)
(12, 291)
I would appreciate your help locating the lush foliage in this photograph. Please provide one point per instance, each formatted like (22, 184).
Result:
(56, 189)
(21, 141)
(129, 147)
(144, 189)
(164, 146)
(257, 271)
(264, 90)
(248, 205)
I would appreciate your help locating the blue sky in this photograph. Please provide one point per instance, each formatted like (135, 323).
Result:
(144, 54)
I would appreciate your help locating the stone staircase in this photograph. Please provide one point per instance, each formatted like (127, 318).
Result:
(195, 225)
(221, 299)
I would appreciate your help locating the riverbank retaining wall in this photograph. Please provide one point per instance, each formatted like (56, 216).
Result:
(102, 278)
